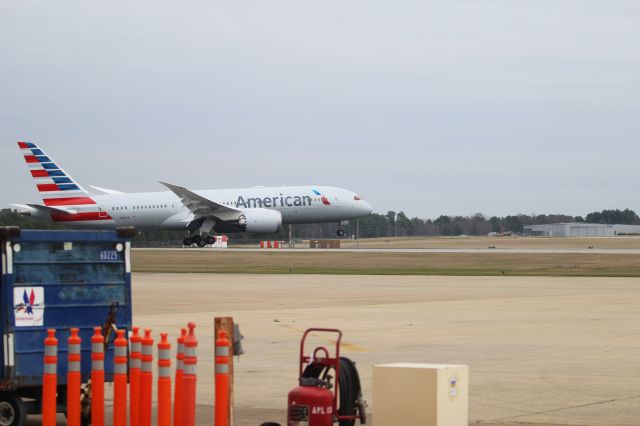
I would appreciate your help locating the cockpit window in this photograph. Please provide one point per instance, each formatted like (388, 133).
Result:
(357, 197)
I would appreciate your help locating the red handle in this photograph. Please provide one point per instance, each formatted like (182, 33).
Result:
(304, 359)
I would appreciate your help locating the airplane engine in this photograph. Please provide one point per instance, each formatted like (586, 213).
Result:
(260, 221)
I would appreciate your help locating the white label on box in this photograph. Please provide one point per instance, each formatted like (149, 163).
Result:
(453, 387)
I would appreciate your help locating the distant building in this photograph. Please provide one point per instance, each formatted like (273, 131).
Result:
(580, 230)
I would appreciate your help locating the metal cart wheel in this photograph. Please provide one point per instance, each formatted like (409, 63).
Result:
(85, 420)
(13, 411)
(85, 406)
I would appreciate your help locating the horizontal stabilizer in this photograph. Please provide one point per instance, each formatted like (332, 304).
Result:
(51, 210)
(106, 191)
(23, 208)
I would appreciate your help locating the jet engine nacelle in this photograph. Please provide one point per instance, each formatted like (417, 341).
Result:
(261, 221)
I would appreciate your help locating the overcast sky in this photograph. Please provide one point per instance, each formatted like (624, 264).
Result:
(448, 107)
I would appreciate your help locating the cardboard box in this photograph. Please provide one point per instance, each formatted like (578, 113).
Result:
(420, 395)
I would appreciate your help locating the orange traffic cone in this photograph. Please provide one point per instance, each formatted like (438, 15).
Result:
(146, 378)
(178, 397)
(74, 379)
(120, 380)
(134, 377)
(189, 390)
(222, 379)
(50, 379)
(97, 377)
(164, 381)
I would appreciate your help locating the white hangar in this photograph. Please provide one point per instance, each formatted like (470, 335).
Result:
(580, 230)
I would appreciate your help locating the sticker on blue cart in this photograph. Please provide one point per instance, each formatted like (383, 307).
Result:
(28, 306)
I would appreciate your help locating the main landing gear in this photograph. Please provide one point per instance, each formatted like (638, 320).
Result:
(199, 240)
(341, 232)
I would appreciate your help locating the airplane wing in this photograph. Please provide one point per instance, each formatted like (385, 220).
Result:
(201, 206)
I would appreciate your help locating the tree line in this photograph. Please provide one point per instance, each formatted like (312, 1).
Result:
(391, 224)
(398, 224)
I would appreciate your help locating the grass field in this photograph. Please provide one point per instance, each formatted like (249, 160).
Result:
(623, 242)
(479, 264)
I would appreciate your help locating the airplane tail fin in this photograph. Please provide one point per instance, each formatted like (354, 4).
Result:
(55, 186)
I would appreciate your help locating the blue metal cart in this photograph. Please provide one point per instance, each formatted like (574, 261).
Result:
(60, 280)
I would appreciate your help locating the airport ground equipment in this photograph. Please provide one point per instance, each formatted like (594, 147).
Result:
(324, 244)
(268, 244)
(329, 387)
(57, 280)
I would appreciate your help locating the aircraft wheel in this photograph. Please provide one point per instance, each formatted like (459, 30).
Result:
(200, 242)
(188, 242)
(341, 233)
(211, 239)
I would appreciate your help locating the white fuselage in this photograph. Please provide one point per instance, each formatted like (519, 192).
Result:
(164, 210)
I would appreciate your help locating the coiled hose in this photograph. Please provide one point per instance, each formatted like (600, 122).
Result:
(350, 397)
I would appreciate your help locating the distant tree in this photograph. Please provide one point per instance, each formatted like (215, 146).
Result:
(444, 225)
(391, 217)
(613, 217)
(405, 226)
(479, 225)
(10, 217)
(496, 224)
(513, 223)
(374, 225)
(442, 220)
(418, 226)
(430, 228)
(560, 218)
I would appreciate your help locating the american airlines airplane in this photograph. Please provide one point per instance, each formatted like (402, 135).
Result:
(259, 210)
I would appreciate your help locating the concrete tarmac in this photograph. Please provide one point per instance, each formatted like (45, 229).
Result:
(541, 350)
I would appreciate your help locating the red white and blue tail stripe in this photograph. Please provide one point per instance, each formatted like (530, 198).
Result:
(58, 189)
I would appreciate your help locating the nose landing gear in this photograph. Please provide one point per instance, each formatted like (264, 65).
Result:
(341, 232)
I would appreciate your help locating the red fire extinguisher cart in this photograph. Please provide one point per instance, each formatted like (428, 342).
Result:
(319, 399)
